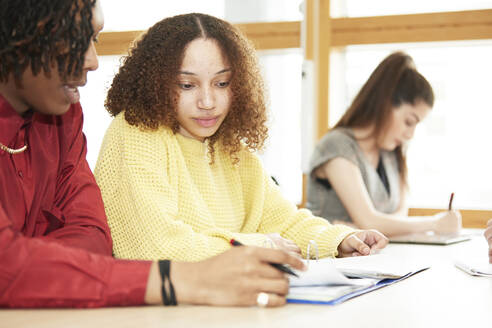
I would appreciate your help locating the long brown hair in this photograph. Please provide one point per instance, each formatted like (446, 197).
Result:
(394, 82)
(145, 86)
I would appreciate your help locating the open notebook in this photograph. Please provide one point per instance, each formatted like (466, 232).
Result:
(333, 281)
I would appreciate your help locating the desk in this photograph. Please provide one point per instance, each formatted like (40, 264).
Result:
(442, 296)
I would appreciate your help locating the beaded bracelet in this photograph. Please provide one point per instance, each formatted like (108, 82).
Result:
(165, 269)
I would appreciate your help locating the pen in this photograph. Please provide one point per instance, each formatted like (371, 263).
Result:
(450, 207)
(280, 267)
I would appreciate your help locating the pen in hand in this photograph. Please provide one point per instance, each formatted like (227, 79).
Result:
(450, 207)
(278, 266)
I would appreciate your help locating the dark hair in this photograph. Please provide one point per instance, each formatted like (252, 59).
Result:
(40, 34)
(145, 86)
(394, 82)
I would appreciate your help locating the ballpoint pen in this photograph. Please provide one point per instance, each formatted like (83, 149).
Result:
(450, 207)
(278, 266)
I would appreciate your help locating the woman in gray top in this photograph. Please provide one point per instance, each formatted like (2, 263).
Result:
(358, 169)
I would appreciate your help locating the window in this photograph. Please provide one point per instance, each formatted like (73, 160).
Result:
(450, 149)
(92, 96)
(126, 15)
(130, 15)
(282, 156)
(361, 8)
(252, 11)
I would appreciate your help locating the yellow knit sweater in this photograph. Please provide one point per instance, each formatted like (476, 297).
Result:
(164, 200)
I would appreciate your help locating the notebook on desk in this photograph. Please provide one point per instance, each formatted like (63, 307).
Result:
(332, 282)
(429, 239)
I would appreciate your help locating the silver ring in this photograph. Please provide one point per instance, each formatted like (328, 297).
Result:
(262, 299)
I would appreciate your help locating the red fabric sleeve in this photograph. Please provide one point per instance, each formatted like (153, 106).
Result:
(35, 272)
(78, 202)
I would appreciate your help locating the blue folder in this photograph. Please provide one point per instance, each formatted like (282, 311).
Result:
(343, 298)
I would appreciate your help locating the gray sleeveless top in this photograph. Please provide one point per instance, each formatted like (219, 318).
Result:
(340, 142)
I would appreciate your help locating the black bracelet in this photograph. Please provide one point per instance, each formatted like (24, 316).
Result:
(165, 269)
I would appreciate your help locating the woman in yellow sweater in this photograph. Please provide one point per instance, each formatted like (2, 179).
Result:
(177, 170)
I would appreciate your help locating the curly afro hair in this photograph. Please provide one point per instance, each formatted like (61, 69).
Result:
(145, 86)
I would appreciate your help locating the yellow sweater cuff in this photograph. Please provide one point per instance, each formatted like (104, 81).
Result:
(329, 240)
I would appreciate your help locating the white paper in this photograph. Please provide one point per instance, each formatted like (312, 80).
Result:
(475, 266)
(323, 273)
(378, 266)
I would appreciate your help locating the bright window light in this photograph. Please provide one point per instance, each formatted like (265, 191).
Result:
(361, 8)
(450, 149)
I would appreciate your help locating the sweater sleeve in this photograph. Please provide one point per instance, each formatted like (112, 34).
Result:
(280, 215)
(136, 172)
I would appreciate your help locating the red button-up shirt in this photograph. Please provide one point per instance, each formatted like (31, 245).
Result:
(55, 245)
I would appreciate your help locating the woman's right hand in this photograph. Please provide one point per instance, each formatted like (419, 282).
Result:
(234, 278)
(448, 222)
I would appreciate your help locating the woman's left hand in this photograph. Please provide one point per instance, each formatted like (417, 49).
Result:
(362, 242)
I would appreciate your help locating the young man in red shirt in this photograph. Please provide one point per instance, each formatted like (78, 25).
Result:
(55, 244)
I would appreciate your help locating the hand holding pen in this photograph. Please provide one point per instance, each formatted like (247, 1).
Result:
(278, 266)
(240, 276)
(450, 221)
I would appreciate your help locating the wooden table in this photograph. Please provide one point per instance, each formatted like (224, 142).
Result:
(442, 296)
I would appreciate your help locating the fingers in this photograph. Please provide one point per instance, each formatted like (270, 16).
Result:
(294, 249)
(265, 270)
(488, 235)
(449, 223)
(378, 240)
(278, 256)
(362, 243)
(297, 255)
(284, 243)
(459, 220)
(235, 277)
(276, 290)
(357, 245)
(289, 246)
(274, 286)
(275, 300)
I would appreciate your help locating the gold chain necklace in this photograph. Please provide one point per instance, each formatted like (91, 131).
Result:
(12, 151)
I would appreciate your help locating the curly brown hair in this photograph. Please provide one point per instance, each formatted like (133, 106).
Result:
(145, 86)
